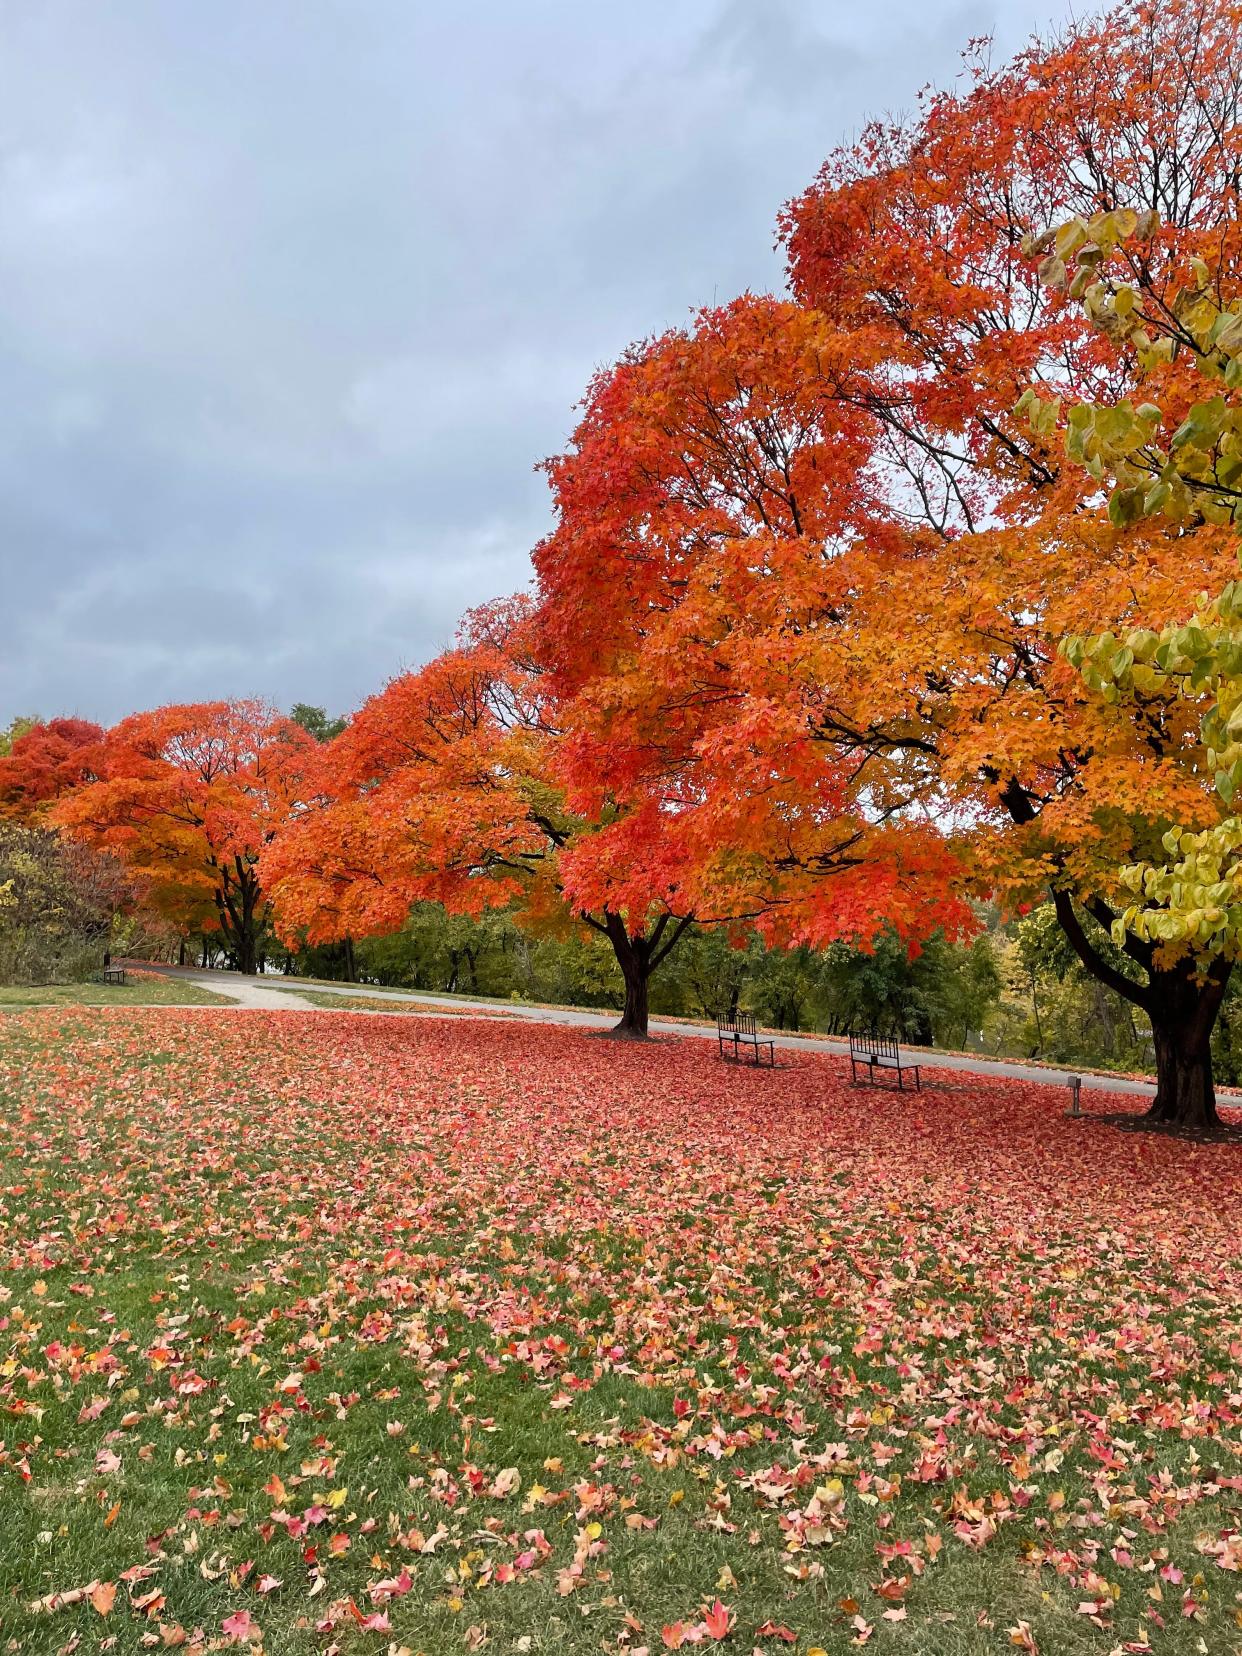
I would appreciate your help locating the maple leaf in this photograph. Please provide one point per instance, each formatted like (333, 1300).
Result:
(239, 1628)
(718, 1620)
(505, 1483)
(103, 1596)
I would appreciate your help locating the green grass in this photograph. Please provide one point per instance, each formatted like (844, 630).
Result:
(295, 986)
(144, 990)
(374, 1003)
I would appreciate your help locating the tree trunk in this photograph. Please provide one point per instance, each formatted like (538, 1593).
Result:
(633, 1025)
(1039, 1026)
(237, 904)
(181, 952)
(1183, 1014)
(638, 958)
(1182, 1002)
(351, 965)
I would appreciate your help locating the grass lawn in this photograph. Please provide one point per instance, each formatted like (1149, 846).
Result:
(334, 987)
(140, 988)
(346, 1334)
(377, 1003)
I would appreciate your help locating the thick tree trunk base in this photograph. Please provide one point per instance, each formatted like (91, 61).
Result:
(623, 1032)
(1185, 1092)
(1192, 1115)
(638, 958)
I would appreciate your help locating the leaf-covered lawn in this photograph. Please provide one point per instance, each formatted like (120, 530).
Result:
(363, 1334)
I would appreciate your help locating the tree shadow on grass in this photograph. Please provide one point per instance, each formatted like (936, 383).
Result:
(1227, 1131)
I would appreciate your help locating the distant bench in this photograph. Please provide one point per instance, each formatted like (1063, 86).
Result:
(740, 1031)
(876, 1052)
(112, 974)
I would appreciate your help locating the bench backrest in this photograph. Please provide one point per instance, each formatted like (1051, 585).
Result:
(872, 1045)
(737, 1023)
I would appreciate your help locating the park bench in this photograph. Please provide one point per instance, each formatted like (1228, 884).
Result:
(112, 974)
(877, 1052)
(739, 1031)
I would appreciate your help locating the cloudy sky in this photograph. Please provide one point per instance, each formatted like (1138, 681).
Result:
(294, 294)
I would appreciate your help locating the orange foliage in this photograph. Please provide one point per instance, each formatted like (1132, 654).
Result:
(188, 797)
(914, 242)
(448, 786)
(715, 485)
(432, 792)
(812, 567)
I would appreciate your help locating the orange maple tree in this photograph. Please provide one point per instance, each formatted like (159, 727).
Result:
(815, 563)
(479, 781)
(188, 798)
(714, 485)
(446, 787)
(924, 242)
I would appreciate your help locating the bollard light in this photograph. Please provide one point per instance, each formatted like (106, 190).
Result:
(1075, 1086)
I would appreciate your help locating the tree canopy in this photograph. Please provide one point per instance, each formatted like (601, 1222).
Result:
(188, 798)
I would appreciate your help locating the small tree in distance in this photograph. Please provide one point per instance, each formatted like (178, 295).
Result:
(189, 798)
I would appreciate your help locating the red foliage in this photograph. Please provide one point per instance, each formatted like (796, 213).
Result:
(716, 481)
(46, 762)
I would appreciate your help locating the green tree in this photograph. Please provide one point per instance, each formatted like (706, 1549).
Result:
(19, 727)
(315, 721)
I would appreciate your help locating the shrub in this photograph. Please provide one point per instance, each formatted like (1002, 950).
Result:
(57, 904)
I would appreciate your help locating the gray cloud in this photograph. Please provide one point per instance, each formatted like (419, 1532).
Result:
(292, 297)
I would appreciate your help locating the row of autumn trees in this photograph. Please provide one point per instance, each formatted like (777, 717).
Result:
(795, 653)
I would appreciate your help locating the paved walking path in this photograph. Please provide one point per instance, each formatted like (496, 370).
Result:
(254, 992)
(246, 991)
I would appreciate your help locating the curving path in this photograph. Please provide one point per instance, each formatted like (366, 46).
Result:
(254, 992)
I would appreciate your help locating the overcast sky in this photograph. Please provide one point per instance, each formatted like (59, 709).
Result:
(294, 294)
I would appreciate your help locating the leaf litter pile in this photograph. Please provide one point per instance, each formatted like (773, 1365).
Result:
(326, 1333)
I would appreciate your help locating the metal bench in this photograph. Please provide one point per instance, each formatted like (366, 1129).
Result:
(877, 1052)
(739, 1031)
